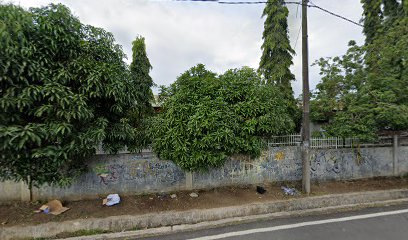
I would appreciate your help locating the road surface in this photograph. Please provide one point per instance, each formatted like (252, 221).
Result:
(387, 223)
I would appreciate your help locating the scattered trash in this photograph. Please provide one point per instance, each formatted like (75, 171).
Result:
(173, 195)
(3, 223)
(194, 195)
(260, 190)
(162, 195)
(289, 191)
(111, 199)
(150, 198)
(53, 207)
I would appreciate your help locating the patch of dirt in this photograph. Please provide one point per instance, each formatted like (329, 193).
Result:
(23, 213)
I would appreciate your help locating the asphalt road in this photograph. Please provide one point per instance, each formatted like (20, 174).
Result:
(387, 223)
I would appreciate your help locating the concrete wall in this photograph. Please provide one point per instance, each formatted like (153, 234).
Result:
(123, 174)
(284, 164)
(142, 173)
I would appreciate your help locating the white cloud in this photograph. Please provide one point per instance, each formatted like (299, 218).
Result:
(182, 34)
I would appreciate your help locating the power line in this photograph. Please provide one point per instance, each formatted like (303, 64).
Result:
(286, 2)
(196, 0)
(256, 2)
(300, 28)
(334, 14)
(297, 38)
(297, 9)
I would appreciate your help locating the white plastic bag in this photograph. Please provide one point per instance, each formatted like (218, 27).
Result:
(111, 199)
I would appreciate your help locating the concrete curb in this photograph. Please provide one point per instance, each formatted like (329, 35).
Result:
(231, 221)
(168, 222)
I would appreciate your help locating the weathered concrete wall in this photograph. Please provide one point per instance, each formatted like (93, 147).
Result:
(123, 174)
(11, 191)
(402, 167)
(284, 164)
(142, 173)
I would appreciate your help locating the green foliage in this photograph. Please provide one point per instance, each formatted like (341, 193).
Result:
(140, 69)
(338, 99)
(387, 88)
(64, 89)
(276, 50)
(366, 91)
(277, 54)
(342, 79)
(372, 18)
(391, 8)
(207, 118)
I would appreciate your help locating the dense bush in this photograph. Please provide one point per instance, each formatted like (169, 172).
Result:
(207, 118)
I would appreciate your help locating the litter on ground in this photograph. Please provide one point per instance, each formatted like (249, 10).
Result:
(260, 190)
(289, 191)
(53, 207)
(111, 199)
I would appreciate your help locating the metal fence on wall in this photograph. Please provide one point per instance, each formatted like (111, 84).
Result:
(331, 142)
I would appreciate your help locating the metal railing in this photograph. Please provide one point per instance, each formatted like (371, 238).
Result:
(286, 140)
(328, 142)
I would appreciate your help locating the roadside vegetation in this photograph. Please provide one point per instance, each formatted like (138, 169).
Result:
(66, 90)
(365, 91)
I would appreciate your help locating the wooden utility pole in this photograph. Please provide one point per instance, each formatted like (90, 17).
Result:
(306, 107)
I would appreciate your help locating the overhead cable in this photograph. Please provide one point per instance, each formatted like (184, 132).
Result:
(286, 2)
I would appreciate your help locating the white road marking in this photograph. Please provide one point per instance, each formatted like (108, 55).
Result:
(297, 225)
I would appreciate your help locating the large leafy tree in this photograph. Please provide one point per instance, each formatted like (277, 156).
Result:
(379, 99)
(342, 78)
(387, 73)
(338, 100)
(64, 89)
(207, 118)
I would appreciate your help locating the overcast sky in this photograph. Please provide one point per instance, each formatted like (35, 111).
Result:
(181, 34)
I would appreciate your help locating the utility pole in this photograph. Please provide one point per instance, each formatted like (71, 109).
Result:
(306, 107)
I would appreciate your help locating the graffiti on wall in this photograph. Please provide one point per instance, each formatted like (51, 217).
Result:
(284, 163)
(341, 163)
(278, 163)
(138, 172)
(130, 173)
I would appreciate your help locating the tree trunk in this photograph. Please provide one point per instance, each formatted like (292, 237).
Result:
(30, 188)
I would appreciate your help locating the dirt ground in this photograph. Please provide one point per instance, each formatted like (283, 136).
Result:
(23, 213)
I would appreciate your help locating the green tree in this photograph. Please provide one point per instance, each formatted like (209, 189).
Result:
(372, 18)
(342, 79)
(338, 99)
(379, 100)
(387, 78)
(140, 69)
(207, 118)
(277, 53)
(64, 89)
(391, 8)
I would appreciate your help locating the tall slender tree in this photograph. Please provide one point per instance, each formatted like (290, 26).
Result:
(140, 71)
(277, 53)
(276, 50)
